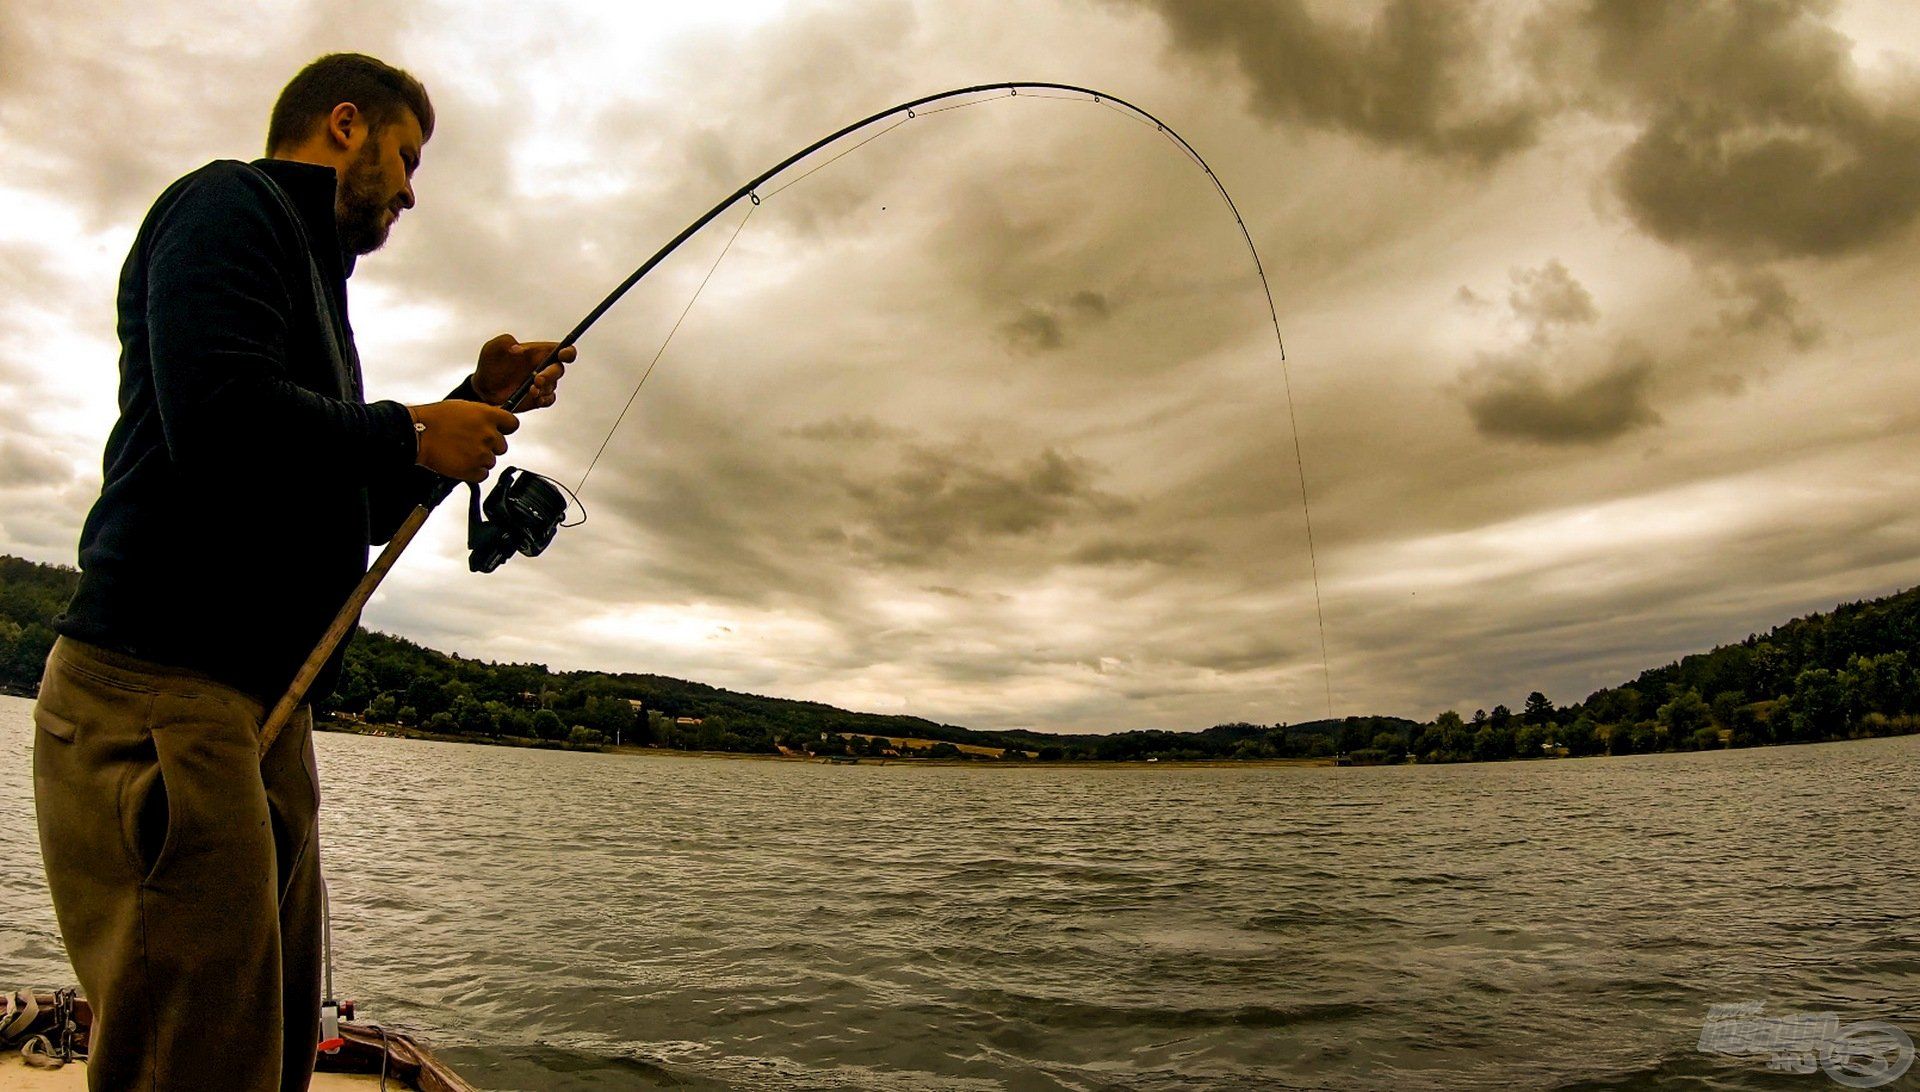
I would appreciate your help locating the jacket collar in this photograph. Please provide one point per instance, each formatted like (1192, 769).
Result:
(312, 188)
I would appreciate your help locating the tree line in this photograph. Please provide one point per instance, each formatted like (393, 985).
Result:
(1846, 673)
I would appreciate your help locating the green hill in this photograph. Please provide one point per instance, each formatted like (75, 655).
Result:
(30, 596)
(1846, 673)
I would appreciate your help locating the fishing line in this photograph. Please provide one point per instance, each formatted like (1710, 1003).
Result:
(1286, 379)
(916, 109)
(776, 191)
(1062, 98)
(1286, 374)
(955, 106)
(580, 488)
(530, 504)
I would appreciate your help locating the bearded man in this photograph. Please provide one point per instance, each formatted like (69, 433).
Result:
(244, 481)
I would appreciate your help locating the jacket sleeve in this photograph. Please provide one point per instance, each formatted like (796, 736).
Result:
(218, 312)
(392, 496)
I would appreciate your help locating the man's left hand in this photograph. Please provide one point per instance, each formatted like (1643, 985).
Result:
(505, 363)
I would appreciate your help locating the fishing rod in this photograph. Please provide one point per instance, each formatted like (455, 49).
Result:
(527, 508)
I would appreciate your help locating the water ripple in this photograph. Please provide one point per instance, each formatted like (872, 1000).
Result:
(554, 920)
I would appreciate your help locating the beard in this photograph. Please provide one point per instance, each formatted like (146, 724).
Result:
(362, 203)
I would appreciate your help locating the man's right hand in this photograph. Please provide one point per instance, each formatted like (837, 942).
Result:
(462, 440)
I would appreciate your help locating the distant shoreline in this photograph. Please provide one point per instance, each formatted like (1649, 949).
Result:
(390, 731)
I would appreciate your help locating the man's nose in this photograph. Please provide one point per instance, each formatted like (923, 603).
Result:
(406, 195)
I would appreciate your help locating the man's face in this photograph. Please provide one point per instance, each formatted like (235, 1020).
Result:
(378, 183)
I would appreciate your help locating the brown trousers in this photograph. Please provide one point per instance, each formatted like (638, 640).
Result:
(185, 873)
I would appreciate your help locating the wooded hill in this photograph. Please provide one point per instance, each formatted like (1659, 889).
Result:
(1842, 674)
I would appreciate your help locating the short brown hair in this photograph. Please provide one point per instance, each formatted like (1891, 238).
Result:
(377, 88)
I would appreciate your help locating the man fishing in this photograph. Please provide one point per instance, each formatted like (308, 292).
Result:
(244, 481)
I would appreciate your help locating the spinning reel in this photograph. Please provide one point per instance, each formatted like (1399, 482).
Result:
(521, 515)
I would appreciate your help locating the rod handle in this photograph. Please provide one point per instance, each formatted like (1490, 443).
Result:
(343, 623)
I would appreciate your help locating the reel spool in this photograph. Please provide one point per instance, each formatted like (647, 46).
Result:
(521, 515)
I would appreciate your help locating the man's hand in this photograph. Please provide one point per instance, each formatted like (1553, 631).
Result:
(462, 439)
(506, 363)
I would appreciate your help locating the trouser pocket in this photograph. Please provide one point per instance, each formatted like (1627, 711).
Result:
(160, 855)
(92, 751)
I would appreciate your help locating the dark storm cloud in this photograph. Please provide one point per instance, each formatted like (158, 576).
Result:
(1522, 400)
(1241, 652)
(38, 523)
(1537, 391)
(45, 490)
(1758, 139)
(23, 464)
(1034, 329)
(701, 511)
(1760, 302)
(1090, 304)
(1115, 551)
(1548, 299)
(1043, 328)
(1407, 75)
(944, 499)
(1755, 136)
(845, 429)
(1626, 609)
(1753, 188)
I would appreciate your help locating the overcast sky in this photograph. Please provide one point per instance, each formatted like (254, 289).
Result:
(1600, 321)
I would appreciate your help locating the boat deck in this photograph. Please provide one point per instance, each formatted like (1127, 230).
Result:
(17, 1076)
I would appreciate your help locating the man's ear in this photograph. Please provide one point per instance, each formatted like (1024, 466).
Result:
(345, 127)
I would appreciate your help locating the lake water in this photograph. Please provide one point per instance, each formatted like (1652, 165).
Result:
(552, 920)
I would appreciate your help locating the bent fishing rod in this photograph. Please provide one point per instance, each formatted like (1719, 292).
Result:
(526, 510)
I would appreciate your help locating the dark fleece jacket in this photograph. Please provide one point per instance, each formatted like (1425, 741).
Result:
(246, 475)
